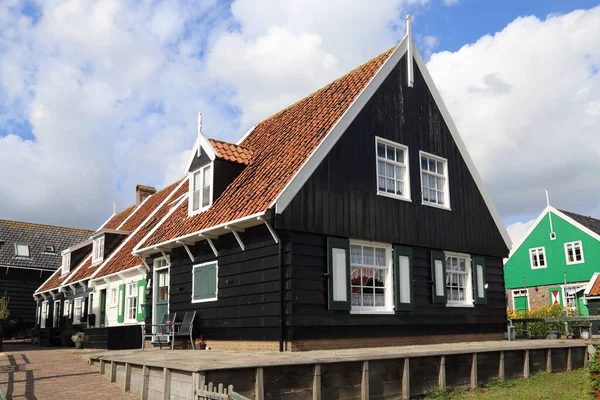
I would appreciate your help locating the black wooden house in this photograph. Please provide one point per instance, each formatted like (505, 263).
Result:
(353, 218)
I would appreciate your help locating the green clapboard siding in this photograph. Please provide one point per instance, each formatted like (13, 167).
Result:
(521, 303)
(518, 266)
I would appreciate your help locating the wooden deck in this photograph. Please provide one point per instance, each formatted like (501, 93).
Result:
(387, 372)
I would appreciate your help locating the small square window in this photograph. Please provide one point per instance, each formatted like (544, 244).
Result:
(574, 252)
(21, 250)
(49, 249)
(537, 257)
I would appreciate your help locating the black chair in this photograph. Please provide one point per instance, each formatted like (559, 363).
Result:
(165, 328)
(185, 327)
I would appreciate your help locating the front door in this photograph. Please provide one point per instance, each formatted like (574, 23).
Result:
(160, 291)
(102, 318)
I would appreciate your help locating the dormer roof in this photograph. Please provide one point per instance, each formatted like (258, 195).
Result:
(231, 152)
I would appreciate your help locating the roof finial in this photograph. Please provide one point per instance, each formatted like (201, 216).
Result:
(410, 77)
(199, 131)
(114, 207)
(547, 198)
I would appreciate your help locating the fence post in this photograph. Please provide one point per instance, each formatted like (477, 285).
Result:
(166, 383)
(549, 361)
(442, 375)
(569, 362)
(113, 371)
(406, 380)
(526, 365)
(316, 389)
(364, 384)
(474, 371)
(501, 366)
(127, 381)
(259, 389)
(145, 379)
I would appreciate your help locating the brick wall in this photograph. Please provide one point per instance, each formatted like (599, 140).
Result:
(538, 295)
(332, 344)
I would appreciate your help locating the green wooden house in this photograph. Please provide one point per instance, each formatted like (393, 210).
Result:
(554, 262)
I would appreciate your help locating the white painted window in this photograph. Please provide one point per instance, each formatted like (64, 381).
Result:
(570, 294)
(78, 309)
(131, 299)
(67, 309)
(434, 180)
(98, 250)
(371, 277)
(537, 257)
(201, 189)
(459, 289)
(66, 262)
(392, 169)
(114, 297)
(574, 252)
(21, 250)
(44, 314)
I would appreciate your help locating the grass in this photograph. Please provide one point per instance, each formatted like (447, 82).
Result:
(563, 385)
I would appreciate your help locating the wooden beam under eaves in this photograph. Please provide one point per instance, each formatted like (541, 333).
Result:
(236, 235)
(187, 249)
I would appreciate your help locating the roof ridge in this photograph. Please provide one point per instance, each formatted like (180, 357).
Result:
(324, 87)
(48, 225)
(574, 213)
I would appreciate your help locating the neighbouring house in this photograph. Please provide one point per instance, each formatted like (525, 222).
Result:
(592, 297)
(29, 254)
(353, 218)
(554, 262)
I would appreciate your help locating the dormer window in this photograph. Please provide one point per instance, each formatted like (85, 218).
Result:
(22, 250)
(201, 189)
(49, 249)
(66, 262)
(98, 250)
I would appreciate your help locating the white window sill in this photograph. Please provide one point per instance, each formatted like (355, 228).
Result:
(545, 266)
(94, 263)
(465, 305)
(435, 205)
(394, 196)
(366, 311)
(205, 300)
(198, 211)
(576, 263)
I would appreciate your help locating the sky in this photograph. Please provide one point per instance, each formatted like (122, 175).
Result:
(98, 96)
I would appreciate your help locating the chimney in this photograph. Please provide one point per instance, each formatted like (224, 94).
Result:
(142, 192)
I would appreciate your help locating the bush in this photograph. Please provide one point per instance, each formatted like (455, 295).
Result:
(594, 371)
(540, 329)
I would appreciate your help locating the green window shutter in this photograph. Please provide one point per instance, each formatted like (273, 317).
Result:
(438, 277)
(141, 300)
(479, 280)
(72, 309)
(555, 295)
(338, 269)
(84, 311)
(121, 309)
(403, 279)
(205, 282)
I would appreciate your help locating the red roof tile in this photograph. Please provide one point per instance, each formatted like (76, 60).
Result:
(280, 145)
(231, 152)
(595, 291)
(119, 217)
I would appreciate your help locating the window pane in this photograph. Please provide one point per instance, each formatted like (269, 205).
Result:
(390, 153)
(399, 173)
(355, 254)
(380, 257)
(424, 163)
(381, 150)
(390, 185)
(400, 155)
(197, 181)
(205, 196)
(379, 277)
(440, 167)
(381, 168)
(368, 255)
(440, 197)
(432, 165)
(389, 170)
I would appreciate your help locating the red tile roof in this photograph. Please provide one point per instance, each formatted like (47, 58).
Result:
(280, 144)
(231, 152)
(595, 291)
(123, 259)
(137, 215)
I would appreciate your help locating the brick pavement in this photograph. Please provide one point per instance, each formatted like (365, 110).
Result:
(40, 373)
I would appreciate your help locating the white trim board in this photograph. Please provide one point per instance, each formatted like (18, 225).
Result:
(319, 154)
(201, 141)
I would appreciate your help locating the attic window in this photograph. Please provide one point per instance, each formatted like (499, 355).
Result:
(392, 170)
(66, 263)
(98, 250)
(201, 189)
(49, 249)
(434, 181)
(21, 250)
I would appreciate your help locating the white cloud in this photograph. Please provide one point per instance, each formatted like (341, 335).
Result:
(451, 3)
(517, 230)
(526, 102)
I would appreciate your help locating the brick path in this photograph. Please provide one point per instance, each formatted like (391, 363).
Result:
(40, 373)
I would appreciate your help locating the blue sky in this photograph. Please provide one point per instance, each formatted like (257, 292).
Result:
(97, 96)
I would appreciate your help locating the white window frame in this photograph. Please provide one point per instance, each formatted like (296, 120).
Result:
(77, 319)
(577, 287)
(67, 308)
(389, 279)
(406, 165)
(26, 246)
(90, 304)
(519, 293)
(98, 250)
(44, 316)
(216, 281)
(66, 263)
(573, 244)
(444, 176)
(131, 297)
(468, 301)
(114, 297)
(537, 251)
(200, 171)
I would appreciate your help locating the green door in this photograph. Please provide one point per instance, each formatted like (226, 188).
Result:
(583, 310)
(520, 303)
(161, 296)
(102, 318)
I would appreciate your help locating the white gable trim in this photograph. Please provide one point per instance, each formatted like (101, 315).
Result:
(239, 142)
(590, 284)
(314, 160)
(201, 141)
(531, 228)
